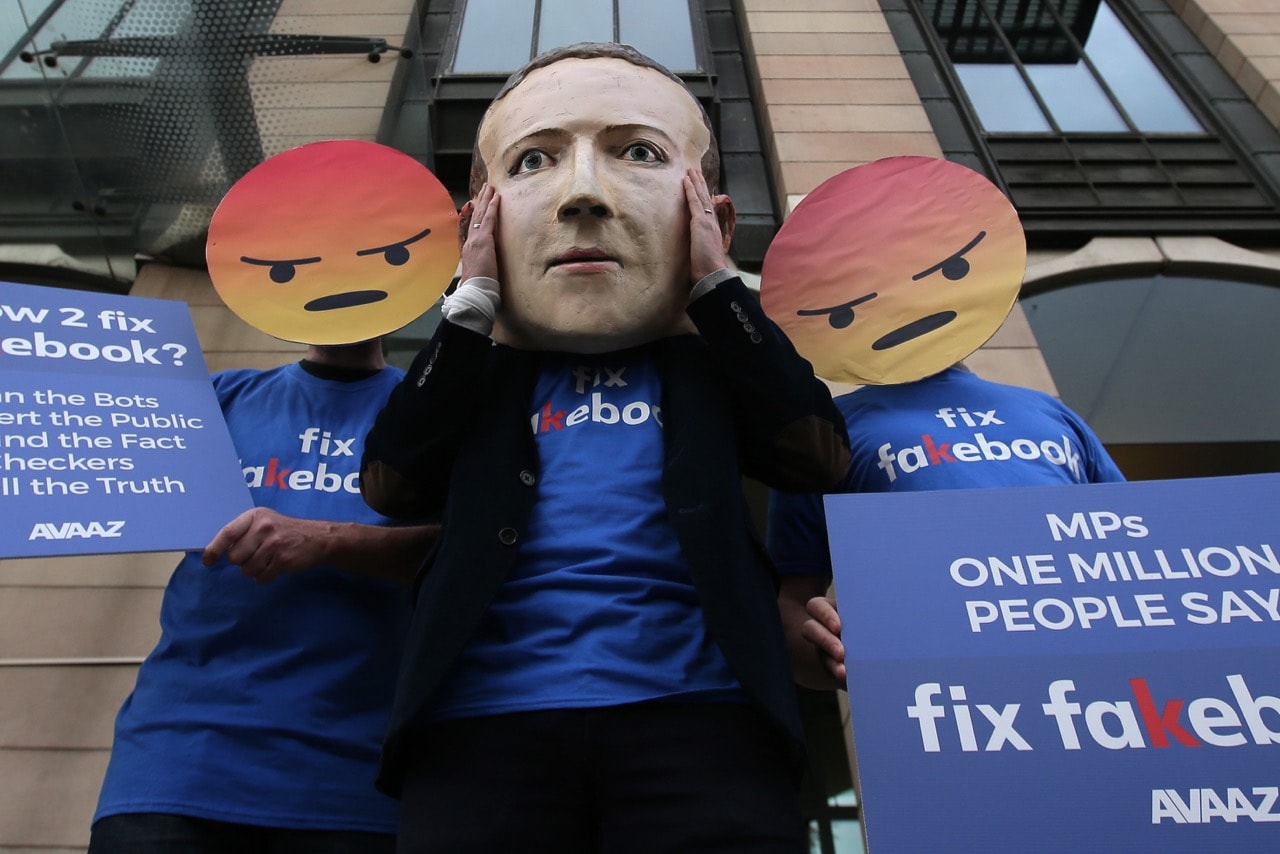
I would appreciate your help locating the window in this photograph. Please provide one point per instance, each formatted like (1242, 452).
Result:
(470, 48)
(502, 35)
(1030, 68)
(1174, 373)
(837, 828)
(1095, 116)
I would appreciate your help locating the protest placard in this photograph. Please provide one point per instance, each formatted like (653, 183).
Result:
(1074, 668)
(111, 438)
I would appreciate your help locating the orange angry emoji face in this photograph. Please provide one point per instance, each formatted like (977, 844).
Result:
(893, 271)
(333, 242)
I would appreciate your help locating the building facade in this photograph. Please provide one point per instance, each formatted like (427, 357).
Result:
(1138, 139)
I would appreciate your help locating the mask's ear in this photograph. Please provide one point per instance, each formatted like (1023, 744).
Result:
(726, 215)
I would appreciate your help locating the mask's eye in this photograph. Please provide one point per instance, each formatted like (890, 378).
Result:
(281, 272)
(838, 316)
(642, 152)
(531, 160)
(953, 267)
(395, 254)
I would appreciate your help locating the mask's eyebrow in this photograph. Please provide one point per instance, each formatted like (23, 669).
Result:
(400, 244)
(810, 312)
(533, 139)
(958, 256)
(262, 262)
(640, 129)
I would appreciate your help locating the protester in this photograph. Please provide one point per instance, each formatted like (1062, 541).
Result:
(256, 721)
(886, 275)
(596, 662)
(952, 430)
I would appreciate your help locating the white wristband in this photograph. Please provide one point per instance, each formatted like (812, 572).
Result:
(473, 304)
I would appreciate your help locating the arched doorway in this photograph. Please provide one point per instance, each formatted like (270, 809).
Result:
(1179, 376)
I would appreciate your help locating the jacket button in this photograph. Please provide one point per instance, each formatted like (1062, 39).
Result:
(508, 536)
(756, 337)
(528, 478)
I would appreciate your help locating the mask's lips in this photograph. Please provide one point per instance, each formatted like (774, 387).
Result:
(914, 330)
(582, 256)
(350, 299)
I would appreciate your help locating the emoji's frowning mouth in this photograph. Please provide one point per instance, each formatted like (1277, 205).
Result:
(348, 300)
(914, 330)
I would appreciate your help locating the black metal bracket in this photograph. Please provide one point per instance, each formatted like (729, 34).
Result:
(270, 44)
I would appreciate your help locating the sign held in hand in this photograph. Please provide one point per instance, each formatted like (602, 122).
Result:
(111, 438)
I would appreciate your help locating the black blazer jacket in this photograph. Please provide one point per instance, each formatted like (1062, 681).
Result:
(454, 443)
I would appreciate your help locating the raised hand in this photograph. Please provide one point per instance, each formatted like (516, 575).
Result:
(711, 223)
(478, 223)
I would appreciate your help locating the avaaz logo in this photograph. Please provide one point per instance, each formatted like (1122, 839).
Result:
(75, 530)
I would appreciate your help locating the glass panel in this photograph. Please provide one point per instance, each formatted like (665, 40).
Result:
(1070, 90)
(847, 798)
(15, 20)
(1165, 359)
(496, 36)
(1074, 98)
(663, 29)
(78, 21)
(145, 18)
(847, 836)
(1140, 87)
(563, 22)
(65, 25)
(1001, 99)
(61, 147)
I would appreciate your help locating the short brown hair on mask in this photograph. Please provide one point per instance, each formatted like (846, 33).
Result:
(594, 50)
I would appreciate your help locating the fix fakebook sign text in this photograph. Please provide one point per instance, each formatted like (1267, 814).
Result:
(1041, 639)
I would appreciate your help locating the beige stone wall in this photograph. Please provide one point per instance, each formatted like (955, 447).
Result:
(836, 94)
(1244, 35)
(73, 630)
(1128, 257)
(226, 340)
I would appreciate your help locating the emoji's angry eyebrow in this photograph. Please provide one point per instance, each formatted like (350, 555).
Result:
(809, 312)
(936, 267)
(261, 262)
(397, 245)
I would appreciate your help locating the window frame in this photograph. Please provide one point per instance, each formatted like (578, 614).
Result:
(1069, 187)
(440, 121)
(697, 23)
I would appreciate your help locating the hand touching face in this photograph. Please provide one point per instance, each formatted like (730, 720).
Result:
(589, 157)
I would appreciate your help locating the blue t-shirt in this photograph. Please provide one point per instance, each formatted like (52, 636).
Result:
(600, 608)
(266, 704)
(952, 430)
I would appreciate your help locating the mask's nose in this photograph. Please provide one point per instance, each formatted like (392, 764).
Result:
(584, 195)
